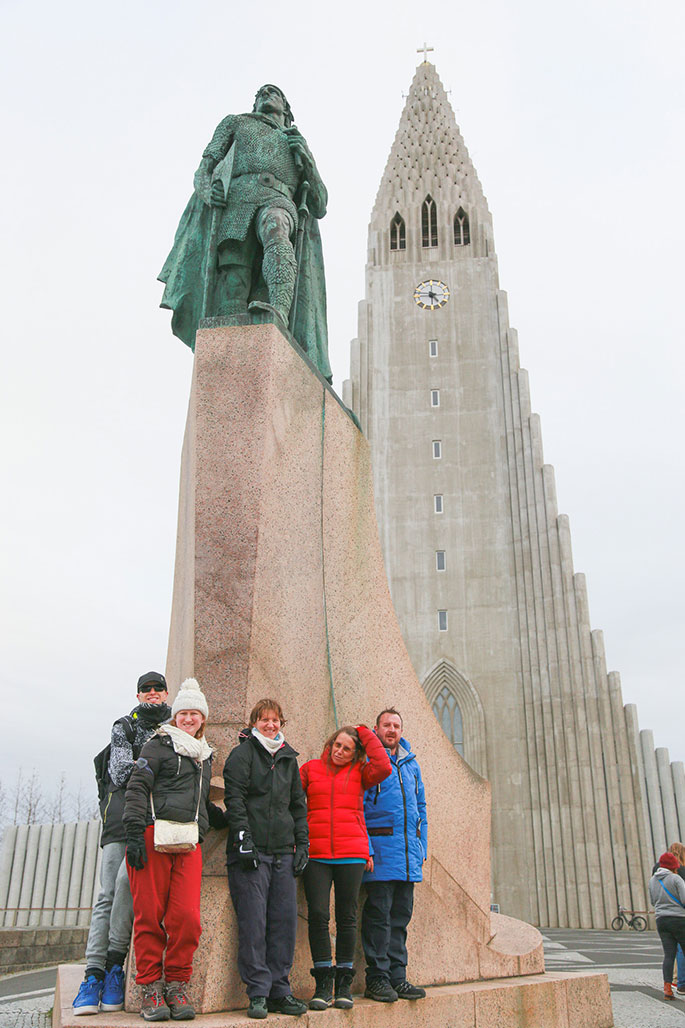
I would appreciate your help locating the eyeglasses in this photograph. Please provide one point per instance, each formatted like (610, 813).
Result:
(152, 687)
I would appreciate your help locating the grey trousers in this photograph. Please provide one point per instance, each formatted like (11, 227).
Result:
(112, 919)
(265, 903)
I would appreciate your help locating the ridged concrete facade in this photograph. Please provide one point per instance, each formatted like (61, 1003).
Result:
(504, 630)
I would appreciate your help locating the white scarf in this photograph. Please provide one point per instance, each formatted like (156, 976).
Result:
(185, 744)
(271, 745)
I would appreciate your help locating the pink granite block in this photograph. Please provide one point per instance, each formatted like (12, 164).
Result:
(589, 1001)
(530, 1005)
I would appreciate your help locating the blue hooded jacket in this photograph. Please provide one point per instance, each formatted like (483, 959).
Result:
(395, 813)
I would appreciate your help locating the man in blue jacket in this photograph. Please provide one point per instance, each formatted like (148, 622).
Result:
(395, 813)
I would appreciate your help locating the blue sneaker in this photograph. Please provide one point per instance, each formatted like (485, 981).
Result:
(113, 992)
(88, 997)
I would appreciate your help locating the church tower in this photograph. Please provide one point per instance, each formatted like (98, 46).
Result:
(479, 561)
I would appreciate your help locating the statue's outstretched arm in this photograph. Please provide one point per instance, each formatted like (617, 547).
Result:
(317, 199)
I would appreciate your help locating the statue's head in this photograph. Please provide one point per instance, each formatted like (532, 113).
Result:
(272, 100)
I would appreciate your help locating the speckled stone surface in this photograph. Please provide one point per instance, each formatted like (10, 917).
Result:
(536, 1001)
(279, 576)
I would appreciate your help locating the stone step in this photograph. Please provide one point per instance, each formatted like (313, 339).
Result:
(554, 1000)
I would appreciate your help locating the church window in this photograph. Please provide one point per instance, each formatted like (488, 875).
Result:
(461, 228)
(446, 710)
(437, 503)
(398, 235)
(435, 397)
(437, 449)
(429, 222)
(432, 347)
(439, 560)
(442, 620)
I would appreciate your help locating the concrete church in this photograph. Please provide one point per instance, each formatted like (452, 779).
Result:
(479, 561)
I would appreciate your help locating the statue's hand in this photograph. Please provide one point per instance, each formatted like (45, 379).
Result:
(218, 198)
(298, 146)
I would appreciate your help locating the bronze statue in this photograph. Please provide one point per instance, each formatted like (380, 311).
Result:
(248, 241)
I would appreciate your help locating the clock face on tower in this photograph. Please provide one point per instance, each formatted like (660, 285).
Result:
(431, 294)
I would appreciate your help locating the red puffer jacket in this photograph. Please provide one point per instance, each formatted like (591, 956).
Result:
(335, 800)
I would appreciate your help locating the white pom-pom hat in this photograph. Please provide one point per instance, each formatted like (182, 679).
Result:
(190, 697)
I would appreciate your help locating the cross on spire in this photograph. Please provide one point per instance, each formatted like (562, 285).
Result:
(425, 49)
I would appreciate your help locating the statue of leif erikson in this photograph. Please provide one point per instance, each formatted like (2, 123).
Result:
(248, 241)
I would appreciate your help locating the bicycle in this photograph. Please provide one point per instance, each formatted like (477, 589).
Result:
(628, 917)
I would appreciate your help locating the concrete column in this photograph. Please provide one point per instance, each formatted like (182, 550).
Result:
(663, 767)
(52, 873)
(64, 874)
(6, 859)
(639, 787)
(14, 891)
(37, 915)
(678, 775)
(74, 893)
(656, 810)
(89, 866)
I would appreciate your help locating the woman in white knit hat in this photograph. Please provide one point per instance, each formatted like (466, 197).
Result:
(166, 816)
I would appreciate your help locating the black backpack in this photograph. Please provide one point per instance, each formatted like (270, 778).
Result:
(101, 761)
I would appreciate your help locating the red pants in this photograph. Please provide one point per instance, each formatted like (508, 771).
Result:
(166, 913)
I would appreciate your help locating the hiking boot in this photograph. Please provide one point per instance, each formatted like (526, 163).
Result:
(257, 1007)
(88, 996)
(286, 1005)
(405, 990)
(381, 990)
(343, 982)
(323, 994)
(668, 991)
(113, 990)
(153, 1007)
(176, 995)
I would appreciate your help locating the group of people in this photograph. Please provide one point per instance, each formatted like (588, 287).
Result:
(355, 814)
(667, 896)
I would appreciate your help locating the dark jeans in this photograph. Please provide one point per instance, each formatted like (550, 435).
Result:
(385, 917)
(266, 907)
(671, 932)
(346, 878)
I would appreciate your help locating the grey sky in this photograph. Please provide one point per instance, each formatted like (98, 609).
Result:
(574, 122)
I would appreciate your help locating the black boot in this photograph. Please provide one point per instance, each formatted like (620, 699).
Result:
(323, 996)
(343, 983)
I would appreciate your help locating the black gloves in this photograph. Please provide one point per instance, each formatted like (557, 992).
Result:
(136, 853)
(247, 854)
(300, 860)
(217, 816)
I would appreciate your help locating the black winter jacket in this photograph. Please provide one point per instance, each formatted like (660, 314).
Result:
(264, 796)
(126, 743)
(176, 783)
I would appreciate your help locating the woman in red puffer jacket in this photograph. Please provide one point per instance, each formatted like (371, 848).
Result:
(352, 761)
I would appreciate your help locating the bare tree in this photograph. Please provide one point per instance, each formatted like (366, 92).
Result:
(84, 804)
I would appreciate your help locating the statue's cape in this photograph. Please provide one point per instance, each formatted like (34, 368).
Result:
(182, 277)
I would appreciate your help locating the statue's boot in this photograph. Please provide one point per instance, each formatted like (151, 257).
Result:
(279, 269)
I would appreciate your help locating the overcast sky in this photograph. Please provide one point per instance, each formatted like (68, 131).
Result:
(574, 120)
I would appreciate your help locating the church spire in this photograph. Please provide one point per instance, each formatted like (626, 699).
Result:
(428, 155)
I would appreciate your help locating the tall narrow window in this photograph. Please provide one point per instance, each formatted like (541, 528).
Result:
(461, 228)
(432, 348)
(446, 710)
(439, 560)
(429, 222)
(398, 236)
(437, 503)
(437, 449)
(435, 397)
(442, 620)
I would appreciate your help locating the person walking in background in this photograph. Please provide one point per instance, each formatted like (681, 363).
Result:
(110, 926)
(267, 848)
(678, 850)
(353, 760)
(395, 813)
(667, 895)
(170, 782)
